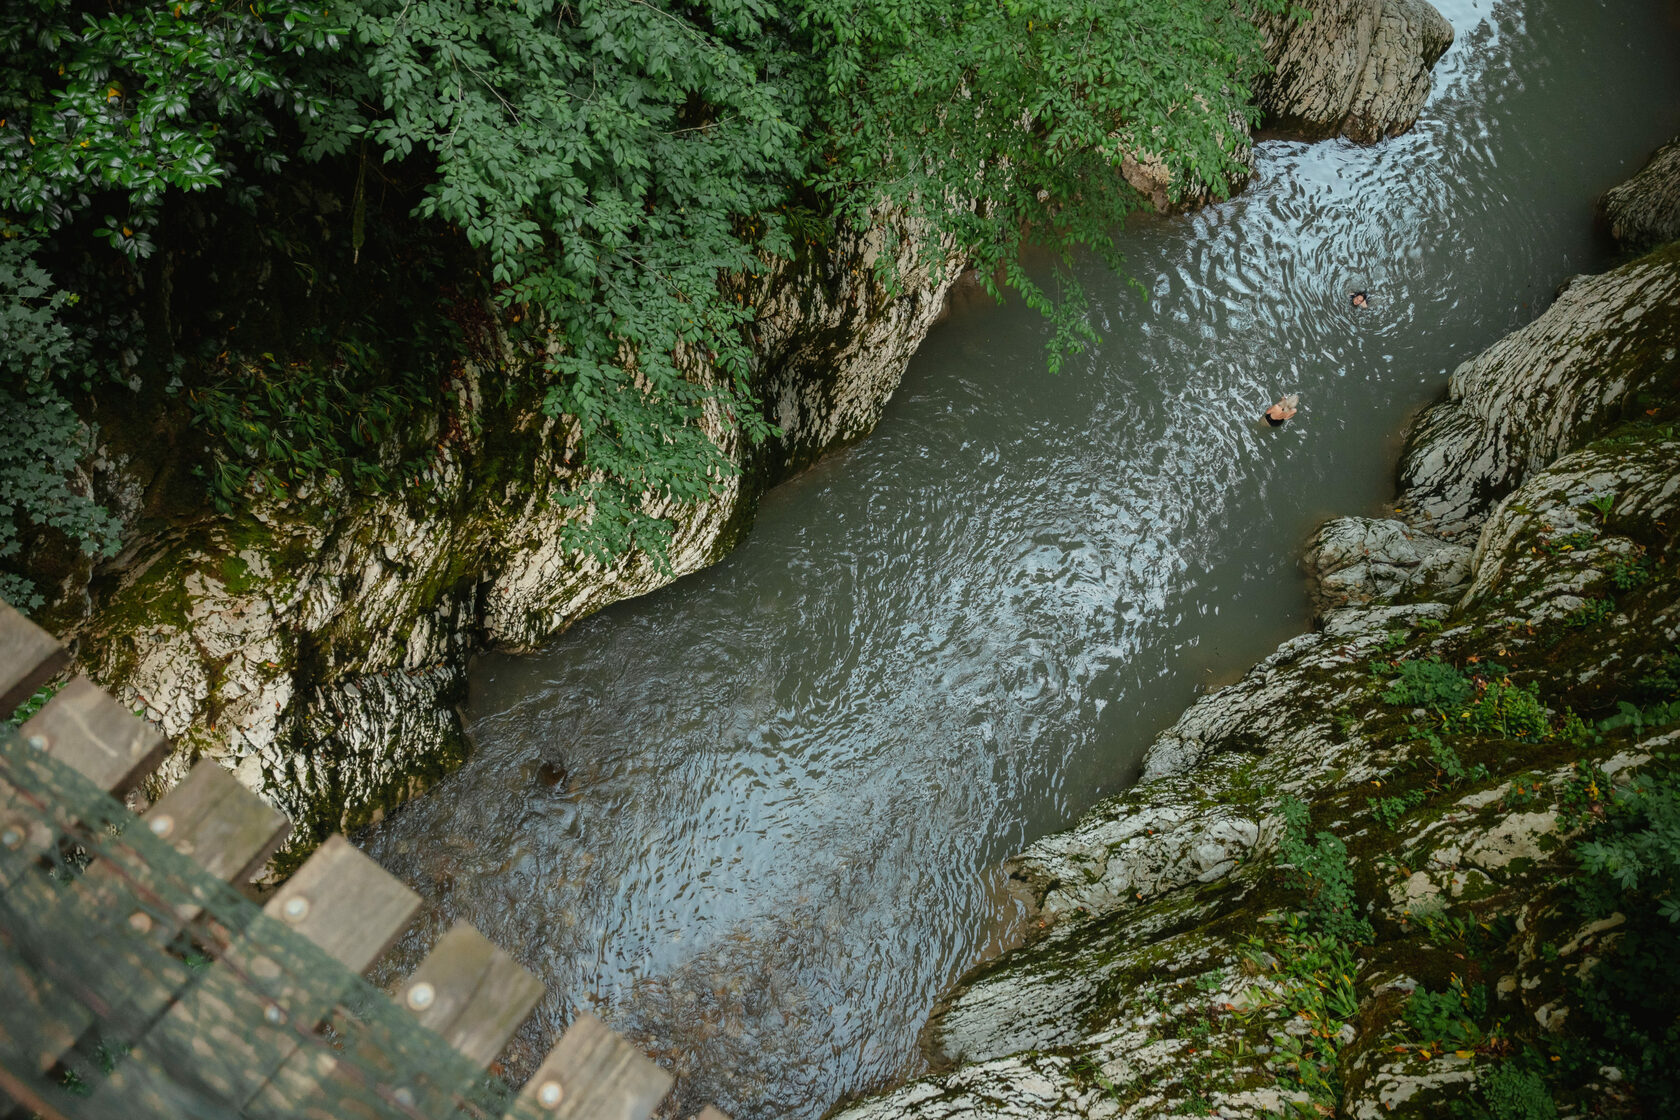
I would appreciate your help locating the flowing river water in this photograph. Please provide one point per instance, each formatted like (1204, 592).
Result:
(753, 820)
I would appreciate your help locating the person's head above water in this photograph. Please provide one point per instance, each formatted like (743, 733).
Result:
(1283, 409)
(1359, 299)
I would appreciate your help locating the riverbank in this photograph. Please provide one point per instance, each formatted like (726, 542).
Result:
(1370, 878)
(317, 643)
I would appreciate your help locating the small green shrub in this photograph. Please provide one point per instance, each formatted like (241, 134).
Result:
(1390, 810)
(1630, 865)
(1512, 1092)
(1427, 683)
(43, 439)
(1320, 868)
(1603, 504)
(270, 425)
(1590, 613)
(1509, 711)
(1570, 542)
(1450, 770)
(1449, 1020)
(1629, 572)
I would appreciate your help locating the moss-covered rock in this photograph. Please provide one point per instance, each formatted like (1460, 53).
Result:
(1644, 212)
(1434, 737)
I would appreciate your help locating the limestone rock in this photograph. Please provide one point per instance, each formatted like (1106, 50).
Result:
(1536, 393)
(1358, 560)
(1548, 549)
(1644, 212)
(1142, 972)
(1358, 68)
(318, 644)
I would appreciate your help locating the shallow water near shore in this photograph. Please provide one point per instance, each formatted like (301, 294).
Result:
(753, 820)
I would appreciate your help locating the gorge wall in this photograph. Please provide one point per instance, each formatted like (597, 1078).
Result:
(318, 644)
(1491, 670)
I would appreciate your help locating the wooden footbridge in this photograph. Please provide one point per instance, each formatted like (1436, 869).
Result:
(137, 981)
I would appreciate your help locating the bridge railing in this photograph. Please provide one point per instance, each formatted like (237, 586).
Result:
(138, 981)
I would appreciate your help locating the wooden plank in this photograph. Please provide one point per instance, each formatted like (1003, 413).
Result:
(467, 991)
(252, 1012)
(106, 743)
(592, 1074)
(29, 658)
(224, 827)
(471, 993)
(345, 903)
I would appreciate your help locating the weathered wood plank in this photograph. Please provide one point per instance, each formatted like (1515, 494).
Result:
(210, 817)
(252, 1011)
(467, 991)
(592, 1074)
(471, 993)
(224, 827)
(345, 903)
(106, 743)
(29, 658)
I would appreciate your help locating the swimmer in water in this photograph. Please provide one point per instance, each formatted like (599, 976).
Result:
(1282, 410)
(1360, 300)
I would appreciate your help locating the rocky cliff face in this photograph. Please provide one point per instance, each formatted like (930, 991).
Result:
(1532, 577)
(1357, 68)
(318, 644)
(1645, 211)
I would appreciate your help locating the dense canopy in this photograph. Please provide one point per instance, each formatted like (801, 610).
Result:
(612, 165)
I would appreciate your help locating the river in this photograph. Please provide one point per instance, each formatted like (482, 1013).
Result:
(752, 820)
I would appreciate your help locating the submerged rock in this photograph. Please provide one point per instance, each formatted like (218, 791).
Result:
(1644, 212)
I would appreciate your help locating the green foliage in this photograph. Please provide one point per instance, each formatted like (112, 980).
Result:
(1630, 572)
(1390, 810)
(1427, 683)
(1006, 125)
(35, 703)
(272, 425)
(617, 162)
(44, 439)
(1630, 865)
(1508, 711)
(1662, 681)
(1640, 719)
(1638, 852)
(1512, 1091)
(1603, 504)
(1450, 770)
(141, 98)
(1313, 974)
(625, 169)
(1451, 1019)
(1571, 541)
(1590, 613)
(1319, 867)
(1586, 793)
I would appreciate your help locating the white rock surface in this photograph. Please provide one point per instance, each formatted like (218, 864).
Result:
(1539, 391)
(1644, 212)
(1357, 560)
(1359, 68)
